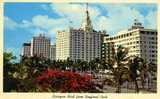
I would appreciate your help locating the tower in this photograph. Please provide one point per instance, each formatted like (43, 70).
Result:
(137, 25)
(79, 44)
(87, 24)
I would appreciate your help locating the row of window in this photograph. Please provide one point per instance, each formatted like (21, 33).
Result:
(148, 33)
(130, 34)
(150, 38)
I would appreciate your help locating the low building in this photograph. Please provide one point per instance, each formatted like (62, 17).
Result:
(53, 52)
(26, 50)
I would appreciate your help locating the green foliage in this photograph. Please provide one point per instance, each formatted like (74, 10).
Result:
(19, 76)
(152, 67)
(9, 82)
(117, 64)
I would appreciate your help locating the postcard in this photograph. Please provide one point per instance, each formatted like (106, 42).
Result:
(79, 50)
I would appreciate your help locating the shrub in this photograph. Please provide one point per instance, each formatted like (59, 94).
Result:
(64, 81)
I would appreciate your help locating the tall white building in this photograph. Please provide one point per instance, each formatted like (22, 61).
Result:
(40, 46)
(26, 50)
(83, 43)
(140, 42)
(53, 52)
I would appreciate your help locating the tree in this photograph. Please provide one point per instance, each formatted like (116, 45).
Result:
(8, 70)
(134, 65)
(119, 69)
(92, 65)
(152, 67)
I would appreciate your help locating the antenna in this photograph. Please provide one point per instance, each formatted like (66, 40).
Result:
(70, 23)
(87, 7)
(135, 20)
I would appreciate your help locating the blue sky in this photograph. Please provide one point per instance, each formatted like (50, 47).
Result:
(22, 21)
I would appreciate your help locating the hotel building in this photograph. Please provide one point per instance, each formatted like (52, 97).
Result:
(26, 50)
(139, 41)
(40, 46)
(79, 44)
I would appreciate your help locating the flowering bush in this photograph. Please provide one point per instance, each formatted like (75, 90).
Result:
(64, 81)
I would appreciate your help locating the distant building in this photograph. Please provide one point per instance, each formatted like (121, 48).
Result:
(40, 46)
(26, 50)
(103, 46)
(139, 41)
(107, 50)
(53, 52)
(79, 44)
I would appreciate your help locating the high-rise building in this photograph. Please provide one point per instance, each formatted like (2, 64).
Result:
(53, 52)
(26, 50)
(79, 44)
(103, 46)
(40, 46)
(139, 41)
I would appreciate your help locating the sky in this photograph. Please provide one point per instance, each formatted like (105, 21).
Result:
(22, 21)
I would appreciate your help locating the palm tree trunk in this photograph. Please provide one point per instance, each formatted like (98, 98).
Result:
(136, 86)
(118, 86)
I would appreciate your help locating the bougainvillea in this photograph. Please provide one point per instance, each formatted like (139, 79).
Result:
(64, 81)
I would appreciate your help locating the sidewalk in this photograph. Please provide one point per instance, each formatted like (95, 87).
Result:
(109, 89)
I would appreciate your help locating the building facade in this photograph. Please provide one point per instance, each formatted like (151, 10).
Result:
(139, 41)
(79, 44)
(103, 46)
(40, 46)
(26, 50)
(53, 52)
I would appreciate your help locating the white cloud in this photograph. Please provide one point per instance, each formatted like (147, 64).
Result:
(13, 25)
(44, 7)
(37, 31)
(25, 24)
(9, 23)
(74, 12)
(118, 17)
(40, 24)
(44, 22)
(151, 18)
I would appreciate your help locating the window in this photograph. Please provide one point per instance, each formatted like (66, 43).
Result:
(142, 32)
(152, 33)
(152, 38)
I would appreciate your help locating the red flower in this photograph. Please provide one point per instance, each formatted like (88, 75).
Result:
(64, 81)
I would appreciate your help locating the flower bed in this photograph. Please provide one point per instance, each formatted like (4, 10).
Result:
(64, 81)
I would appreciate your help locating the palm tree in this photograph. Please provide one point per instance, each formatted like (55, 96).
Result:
(84, 65)
(144, 69)
(152, 67)
(92, 65)
(120, 59)
(134, 65)
(69, 63)
(98, 64)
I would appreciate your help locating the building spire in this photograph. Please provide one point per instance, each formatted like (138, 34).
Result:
(87, 25)
(87, 7)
